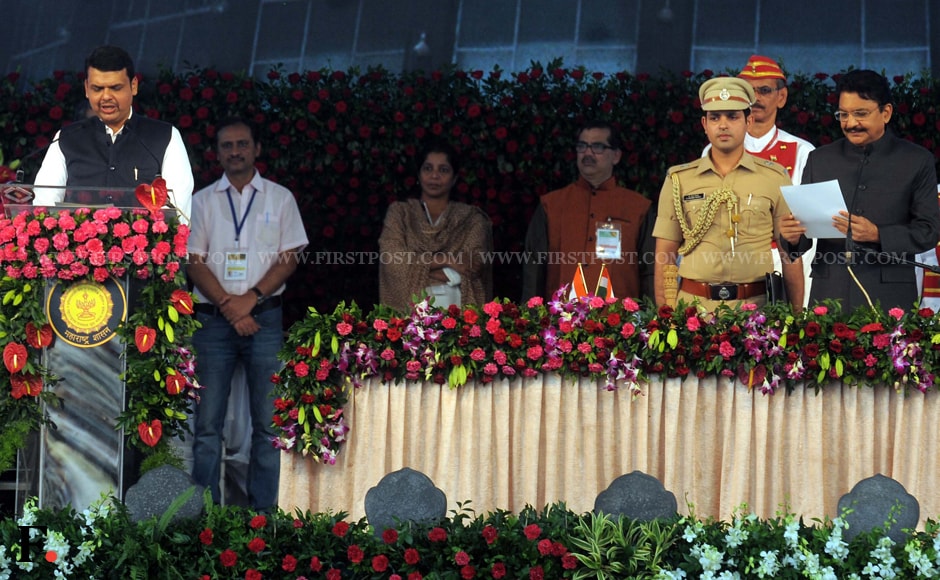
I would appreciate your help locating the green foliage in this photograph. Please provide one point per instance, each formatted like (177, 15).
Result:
(231, 542)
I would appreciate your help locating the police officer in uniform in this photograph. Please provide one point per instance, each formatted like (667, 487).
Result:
(720, 213)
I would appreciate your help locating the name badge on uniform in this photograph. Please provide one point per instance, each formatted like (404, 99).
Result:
(693, 196)
(236, 264)
(608, 241)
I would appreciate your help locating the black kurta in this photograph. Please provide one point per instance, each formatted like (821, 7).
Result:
(893, 183)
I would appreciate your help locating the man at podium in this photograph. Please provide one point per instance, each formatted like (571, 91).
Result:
(114, 147)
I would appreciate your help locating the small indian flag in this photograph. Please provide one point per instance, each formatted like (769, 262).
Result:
(578, 285)
(605, 288)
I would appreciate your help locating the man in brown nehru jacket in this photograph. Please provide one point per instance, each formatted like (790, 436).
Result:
(565, 227)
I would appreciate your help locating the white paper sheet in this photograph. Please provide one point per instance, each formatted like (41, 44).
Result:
(814, 205)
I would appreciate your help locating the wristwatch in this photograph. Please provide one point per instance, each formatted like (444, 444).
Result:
(259, 294)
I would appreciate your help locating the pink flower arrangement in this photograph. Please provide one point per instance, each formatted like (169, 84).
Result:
(47, 244)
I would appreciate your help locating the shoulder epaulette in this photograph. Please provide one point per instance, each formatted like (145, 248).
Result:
(772, 165)
(683, 167)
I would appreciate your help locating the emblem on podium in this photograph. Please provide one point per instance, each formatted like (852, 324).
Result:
(86, 313)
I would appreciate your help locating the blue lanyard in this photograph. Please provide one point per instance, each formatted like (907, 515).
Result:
(235, 221)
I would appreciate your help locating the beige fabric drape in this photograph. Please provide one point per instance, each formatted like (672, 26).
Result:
(711, 442)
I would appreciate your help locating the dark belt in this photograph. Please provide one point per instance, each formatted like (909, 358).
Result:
(269, 304)
(724, 291)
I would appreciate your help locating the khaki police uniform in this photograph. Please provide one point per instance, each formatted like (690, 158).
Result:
(723, 268)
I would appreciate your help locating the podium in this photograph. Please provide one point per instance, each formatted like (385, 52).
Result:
(81, 450)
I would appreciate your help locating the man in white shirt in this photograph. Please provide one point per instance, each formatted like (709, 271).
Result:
(245, 239)
(114, 148)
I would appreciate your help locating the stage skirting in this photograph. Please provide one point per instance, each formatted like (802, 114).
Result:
(711, 442)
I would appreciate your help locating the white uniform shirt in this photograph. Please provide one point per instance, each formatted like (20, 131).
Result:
(272, 226)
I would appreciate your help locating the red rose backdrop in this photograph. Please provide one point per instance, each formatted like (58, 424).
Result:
(345, 142)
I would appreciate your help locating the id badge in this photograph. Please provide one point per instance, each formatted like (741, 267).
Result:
(608, 241)
(236, 264)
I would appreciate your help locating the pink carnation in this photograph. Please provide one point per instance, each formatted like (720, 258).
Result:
(897, 313)
(820, 310)
(534, 301)
(121, 230)
(141, 226)
(726, 349)
(492, 308)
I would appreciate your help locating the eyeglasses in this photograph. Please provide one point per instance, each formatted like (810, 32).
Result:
(860, 114)
(765, 91)
(596, 148)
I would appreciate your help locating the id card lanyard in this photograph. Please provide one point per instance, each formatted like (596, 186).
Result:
(236, 260)
(608, 236)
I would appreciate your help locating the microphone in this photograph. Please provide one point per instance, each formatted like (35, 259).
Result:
(157, 160)
(849, 244)
(170, 202)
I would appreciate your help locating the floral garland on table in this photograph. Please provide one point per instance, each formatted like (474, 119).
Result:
(46, 245)
(619, 342)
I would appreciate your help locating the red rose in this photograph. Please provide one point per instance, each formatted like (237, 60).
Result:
(437, 535)
(256, 545)
(258, 522)
(355, 554)
(289, 563)
(499, 570)
(490, 534)
(532, 531)
(380, 563)
(468, 572)
(390, 536)
(206, 537)
(462, 558)
(252, 574)
(545, 547)
(340, 529)
(412, 557)
(228, 558)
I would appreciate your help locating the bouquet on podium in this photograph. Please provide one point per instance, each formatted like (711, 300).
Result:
(65, 257)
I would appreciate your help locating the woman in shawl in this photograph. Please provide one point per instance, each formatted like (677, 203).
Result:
(432, 246)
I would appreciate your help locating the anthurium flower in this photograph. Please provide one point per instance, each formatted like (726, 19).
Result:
(14, 357)
(182, 301)
(38, 337)
(25, 384)
(175, 384)
(145, 337)
(150, 433)
(152, 196)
